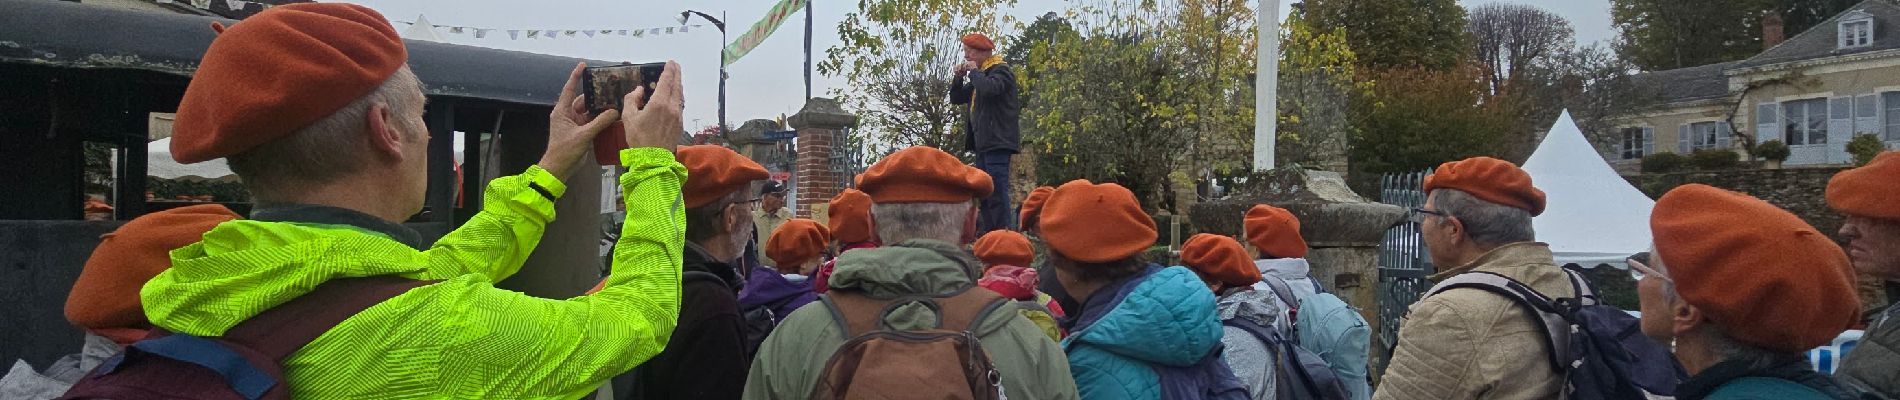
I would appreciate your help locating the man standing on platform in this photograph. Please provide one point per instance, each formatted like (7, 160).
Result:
(988, 87)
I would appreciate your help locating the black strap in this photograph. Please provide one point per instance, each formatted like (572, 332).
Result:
(282, 330)
(1535, 305)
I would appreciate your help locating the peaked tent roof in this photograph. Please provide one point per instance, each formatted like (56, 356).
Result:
(1593, 216)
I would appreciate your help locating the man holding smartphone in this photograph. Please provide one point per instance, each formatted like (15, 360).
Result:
(332, 144)
(992, 131)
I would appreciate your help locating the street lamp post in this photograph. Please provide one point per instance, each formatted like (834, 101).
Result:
(721, 24)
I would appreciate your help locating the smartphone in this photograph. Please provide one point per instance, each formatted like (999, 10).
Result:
(607, 88)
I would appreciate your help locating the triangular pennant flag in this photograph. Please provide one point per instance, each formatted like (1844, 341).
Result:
(481, 33)
(203, 4)
(455, 30)
(570, 33)
(682, 28)
(514, 34)
(636, 33)
(589, 33)
(669, 30)
(623, 32)
(654, 32)
(608, 31)
(234, 5)
(533, 33)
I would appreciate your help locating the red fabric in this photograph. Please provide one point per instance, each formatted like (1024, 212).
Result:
(1096, 223)
(978, 41)
(796, 242)
(1032, 206)
(1491, 179)
(923, 174)
(1275, 231)
(1005, 247)
(713, 172)
(1871, 191)
(278, 72)
(1011, 281)
(106, 295)
(850, 216)
(821, 280)
(1220, 257)
(1762, 274)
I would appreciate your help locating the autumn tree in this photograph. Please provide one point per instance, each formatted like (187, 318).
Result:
(1427, 117)
(1394, 33)
(1317, 95)
(897, 56)
(1521, 50)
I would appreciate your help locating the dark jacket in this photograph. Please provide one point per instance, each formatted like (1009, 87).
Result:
(1792, 379)
(1875, 363)
(993, 122)
(705, 358)
(769, 289)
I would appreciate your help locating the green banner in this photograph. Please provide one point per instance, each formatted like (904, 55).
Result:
(761, 30)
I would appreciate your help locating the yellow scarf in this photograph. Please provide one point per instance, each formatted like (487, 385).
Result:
(987, 63)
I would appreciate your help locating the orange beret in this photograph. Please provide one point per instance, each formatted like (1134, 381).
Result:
(923, 174)
(1275, 231)
(713, 172)
(1005, 247)
(1765, 276)
(106, 296)
(796, 241)
(1220, 257)
(1871, 191)
(1096, 223)
(978, 41)
(1032, 205)
(850, 216)
(279, 71)
(1491, 179)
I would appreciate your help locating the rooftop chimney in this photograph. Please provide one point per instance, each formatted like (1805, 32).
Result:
(1772, 30)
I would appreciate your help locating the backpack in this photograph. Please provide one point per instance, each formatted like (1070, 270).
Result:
(247, 361)
(1299, 374)
(1600, 349)
(879, 362)
(1328, 338)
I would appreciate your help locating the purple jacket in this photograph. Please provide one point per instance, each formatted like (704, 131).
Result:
(768, 288)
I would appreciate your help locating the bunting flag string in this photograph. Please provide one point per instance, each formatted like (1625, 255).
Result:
(555, 34)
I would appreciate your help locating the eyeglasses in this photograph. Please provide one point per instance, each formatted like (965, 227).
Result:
(1638, 271)
(1418, 215)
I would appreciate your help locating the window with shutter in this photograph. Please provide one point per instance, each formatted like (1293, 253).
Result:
(1767, 122)
(1723, 135)
(1649, 142)
(1682, 139)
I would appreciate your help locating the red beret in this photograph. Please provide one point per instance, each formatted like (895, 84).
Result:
(1005, 247)
(1763, 275)
(978, 41)
(923, 174)
(106, 296)
(713, 172)
(1275, 231)
(1096, 223)
(850, 216)
(796, 241)
(279, 71)
(1220, 257)
(1871, 191)
(1491, 179)
(1032, 205)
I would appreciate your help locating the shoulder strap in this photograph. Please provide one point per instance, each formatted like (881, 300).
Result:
(1543, 311)
(1281, 289)
(282, 330)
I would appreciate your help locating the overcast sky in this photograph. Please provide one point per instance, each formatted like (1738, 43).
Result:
(767, 82)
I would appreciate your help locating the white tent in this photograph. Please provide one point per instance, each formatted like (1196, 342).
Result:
(1593, 216)
(159, 163)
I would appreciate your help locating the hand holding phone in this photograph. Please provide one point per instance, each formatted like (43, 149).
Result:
(571, 128)
(654, 118)
(607, 89)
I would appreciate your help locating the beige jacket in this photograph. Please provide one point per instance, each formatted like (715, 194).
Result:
(765, 223)
(1471, 344)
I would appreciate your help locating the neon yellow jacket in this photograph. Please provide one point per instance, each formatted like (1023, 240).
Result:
(462, 337)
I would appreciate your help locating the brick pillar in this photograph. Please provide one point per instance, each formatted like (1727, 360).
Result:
(820, 127)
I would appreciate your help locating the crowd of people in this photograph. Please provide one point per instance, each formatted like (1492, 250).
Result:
(916, 285)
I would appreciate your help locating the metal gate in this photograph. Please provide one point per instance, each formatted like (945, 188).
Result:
(1403, 261)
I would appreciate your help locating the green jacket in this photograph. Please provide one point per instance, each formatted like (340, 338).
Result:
(788, 364)
(461, 337)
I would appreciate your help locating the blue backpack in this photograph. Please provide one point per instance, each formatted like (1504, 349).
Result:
(1600, 349)
(1313, 356)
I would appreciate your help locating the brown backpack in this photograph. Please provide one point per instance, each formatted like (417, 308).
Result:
(880, 362)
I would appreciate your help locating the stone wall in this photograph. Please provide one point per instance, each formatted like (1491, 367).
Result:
(1799, 190)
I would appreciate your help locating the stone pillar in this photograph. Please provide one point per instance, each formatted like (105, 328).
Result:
(820, 127)
(1343, 229)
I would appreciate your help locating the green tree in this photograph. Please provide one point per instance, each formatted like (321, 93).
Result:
(1396, 33)
(1427, 117)
(1137, 92)
(1316, 94)
(1670, 34)
(897, 56)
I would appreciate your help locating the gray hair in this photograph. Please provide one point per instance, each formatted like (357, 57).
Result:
(905, 221)
(311, 155)
(1486, 223)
